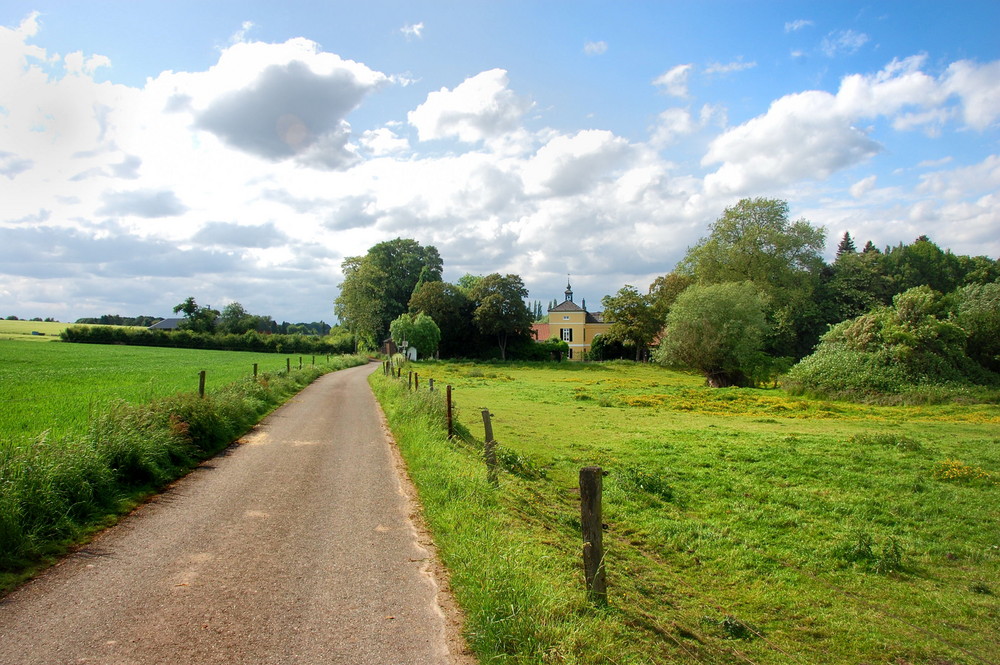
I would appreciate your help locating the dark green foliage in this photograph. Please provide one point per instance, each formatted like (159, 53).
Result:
(499, 308)
(634, 320)
(118, 320)
(525, 349)
(891, 350)
(186, 339)
(602, 348)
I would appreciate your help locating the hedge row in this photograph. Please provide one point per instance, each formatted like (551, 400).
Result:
(186, 339)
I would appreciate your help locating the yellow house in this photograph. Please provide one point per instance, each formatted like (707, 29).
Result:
(574, 325)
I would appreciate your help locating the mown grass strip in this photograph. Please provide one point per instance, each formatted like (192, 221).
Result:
(55, 490)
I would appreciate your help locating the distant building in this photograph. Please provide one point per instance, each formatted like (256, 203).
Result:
(572, 324)
(166, 324)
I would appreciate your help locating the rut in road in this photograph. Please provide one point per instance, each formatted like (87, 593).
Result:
(294, 547)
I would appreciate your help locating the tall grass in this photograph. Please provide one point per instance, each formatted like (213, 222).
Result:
(743, 525)
(55, 489)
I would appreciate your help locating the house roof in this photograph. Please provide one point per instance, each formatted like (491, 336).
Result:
(166, 324)
(567, 306)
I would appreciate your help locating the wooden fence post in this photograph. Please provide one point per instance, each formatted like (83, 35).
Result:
(255, 370)
(314, 360)
(201, 383)
(300, 362)
(593, 534)
(288, 365)
(451, 424)
(430, 382)
(409, 381)
(416, 381)
(490, 449)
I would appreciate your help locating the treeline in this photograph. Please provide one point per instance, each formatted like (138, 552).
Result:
(188, 339)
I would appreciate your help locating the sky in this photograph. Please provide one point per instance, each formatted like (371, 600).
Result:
(240, 151)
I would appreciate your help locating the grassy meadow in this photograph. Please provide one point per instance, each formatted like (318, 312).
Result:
(22, 330)
(58, 388)
(743, 526)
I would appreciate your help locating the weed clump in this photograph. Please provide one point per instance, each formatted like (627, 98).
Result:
(897, 441)
(861, 551)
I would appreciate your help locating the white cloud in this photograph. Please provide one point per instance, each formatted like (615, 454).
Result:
(480, 108)
(727, 68)
(595, 48)
(978, 86)
(674, 81)
(798, 24)
(843, 42)
(863, 186)
(383, 141)
(413, 30)
(572, 164)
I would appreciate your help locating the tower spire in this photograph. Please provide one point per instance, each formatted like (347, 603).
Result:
(569, 290)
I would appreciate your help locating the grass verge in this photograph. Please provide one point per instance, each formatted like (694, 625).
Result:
(53, 492)
(743, 525)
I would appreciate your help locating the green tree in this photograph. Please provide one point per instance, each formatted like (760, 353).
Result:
(755, 241)
(891, 349)
(664, 291)
(377, 287)
(418, 331)
(500, 310)
(978, 314)
(846, 245)
(451, 309)
(361, 304)
(922, 263)
(718, 330)
(196, 318)
(634, 321)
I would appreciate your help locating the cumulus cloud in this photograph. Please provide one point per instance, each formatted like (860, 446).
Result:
(11, 165)
(289, 109)
(815, 133)
(480, 108)
(572, 164)
(383, 141)
(595, 48)
(674, 81)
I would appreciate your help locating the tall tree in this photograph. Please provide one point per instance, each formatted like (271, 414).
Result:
(196, 317)
(755, 241)
(377, 287)
(664, 291)
(634, 321)
(718, 330)
(500, 309)
(846, 245)
(451, 309)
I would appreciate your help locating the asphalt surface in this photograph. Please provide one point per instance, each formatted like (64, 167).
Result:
(294, 547)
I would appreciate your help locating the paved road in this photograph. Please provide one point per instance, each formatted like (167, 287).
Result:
(295, 547)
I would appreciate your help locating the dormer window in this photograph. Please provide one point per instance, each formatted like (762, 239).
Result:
(566, 318)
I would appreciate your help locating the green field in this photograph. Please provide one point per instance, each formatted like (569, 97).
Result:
(742, 525)
(22, 330)
(57, 388)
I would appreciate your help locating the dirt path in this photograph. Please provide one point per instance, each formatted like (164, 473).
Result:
(295, 547)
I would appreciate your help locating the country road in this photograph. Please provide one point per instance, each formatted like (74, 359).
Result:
(294, 547)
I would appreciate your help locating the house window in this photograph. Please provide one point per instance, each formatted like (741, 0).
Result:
(566, 317)
(571, 354)
(566, 334)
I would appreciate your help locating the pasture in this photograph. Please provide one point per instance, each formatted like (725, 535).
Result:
(23, 330)
(743, 526)
(58, 388)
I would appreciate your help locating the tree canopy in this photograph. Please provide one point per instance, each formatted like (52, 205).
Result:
(500, 308)
(634, 321)
(377, 286)
(755, 241)
(717, 329)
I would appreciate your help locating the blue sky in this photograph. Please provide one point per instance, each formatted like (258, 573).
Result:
(239, 151)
